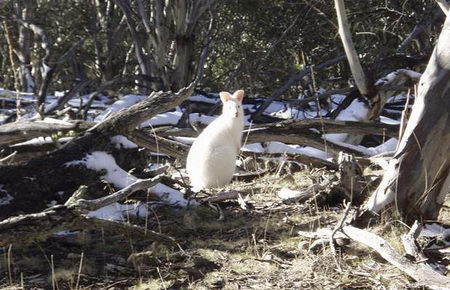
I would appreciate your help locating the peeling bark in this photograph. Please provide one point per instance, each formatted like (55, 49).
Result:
(418, 177)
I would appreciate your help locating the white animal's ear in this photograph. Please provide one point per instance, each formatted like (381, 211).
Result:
(239, 95)
(225, 96)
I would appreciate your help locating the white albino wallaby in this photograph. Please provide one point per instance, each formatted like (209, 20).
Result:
(211, 161)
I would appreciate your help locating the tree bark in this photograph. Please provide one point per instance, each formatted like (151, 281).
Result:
(12, 133)
(350, 51)
(23, 51)
(166, 49)
(418, 178)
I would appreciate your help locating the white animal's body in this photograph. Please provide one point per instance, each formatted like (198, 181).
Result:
(211, 161)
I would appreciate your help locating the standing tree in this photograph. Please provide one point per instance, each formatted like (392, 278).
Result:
(418, 177)
(163, 35)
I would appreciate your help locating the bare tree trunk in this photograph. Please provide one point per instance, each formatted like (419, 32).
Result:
(165, 51)
(23, 51)
(350, 51)
(46, 68)
(186, 17)
(12, 55)
(419, 175)
(138, 41)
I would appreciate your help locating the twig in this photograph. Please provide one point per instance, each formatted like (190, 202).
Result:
(333, 233)
(85, 206)
(222, 196)
(410, 244)
(4, 160)
(292, 80)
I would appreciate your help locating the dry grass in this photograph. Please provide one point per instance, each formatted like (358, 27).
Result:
(257, 248)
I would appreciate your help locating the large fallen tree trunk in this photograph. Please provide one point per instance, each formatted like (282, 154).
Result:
(418, 178)
(301, 132)
(31, 187)
(12, 133)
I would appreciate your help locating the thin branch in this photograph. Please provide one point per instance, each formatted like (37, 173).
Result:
(291, 81)
(419, 28)
(85, 206)
(445, 6)
(350, 51)
(335, 230)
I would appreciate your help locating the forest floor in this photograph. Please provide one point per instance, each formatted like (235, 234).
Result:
(252, 247)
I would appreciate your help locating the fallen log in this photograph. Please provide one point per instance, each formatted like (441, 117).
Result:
(302, 132)
(30, 187)
(24, 130)
(300, 158)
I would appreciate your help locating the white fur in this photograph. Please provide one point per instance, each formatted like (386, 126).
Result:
(211, 161)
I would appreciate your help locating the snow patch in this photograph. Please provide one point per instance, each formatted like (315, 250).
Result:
(279, 147)
(118, 212)
(435, 230)
(7, 198)
(98, 161)
(337, 99)
(388, 146)
(253, 147)
(204, 99)
(120, 178)
(169, 118)
(42, 140)
(171, 196)
(357, 111)
(184, 140)
(286, 193)
(125, 102)
(389, 121)
(198, 118)
(121, 141)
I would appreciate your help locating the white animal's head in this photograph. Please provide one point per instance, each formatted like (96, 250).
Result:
(232, 104)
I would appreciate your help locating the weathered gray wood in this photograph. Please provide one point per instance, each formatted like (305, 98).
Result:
(299, 132)
(419, 174)
(410, 244)
(159, 144)
(351, 179)
(300, 126)
(422, 273)
(352, 56)
(24, 130)
(303, 159)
